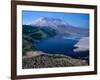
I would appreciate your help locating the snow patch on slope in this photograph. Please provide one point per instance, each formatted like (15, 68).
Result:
(82, 45)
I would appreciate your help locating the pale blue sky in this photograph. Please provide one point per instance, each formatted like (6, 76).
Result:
(75, 19)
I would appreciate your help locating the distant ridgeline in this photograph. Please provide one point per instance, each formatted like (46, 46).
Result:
(32, 34)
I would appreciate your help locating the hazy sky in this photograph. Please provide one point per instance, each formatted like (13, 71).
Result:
(76, 19)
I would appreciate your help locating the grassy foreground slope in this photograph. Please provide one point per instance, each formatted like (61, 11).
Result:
(38, 59)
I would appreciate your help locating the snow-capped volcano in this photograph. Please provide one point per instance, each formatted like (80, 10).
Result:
(53, 22)
(58, 24)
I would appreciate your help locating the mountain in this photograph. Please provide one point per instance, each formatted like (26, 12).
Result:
(59, 25)
(53, 22)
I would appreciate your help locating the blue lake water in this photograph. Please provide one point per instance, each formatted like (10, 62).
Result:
(58, 45)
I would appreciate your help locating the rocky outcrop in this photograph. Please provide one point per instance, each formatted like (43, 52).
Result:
(43, 60)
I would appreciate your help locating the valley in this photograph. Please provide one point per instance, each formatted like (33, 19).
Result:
(54, 37)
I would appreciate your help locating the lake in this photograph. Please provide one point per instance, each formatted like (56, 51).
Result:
(58, 45)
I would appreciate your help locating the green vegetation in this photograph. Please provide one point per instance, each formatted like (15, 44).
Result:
(33, 34)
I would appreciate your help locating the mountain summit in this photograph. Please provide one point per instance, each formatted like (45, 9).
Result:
(54, 22)
(59, 25)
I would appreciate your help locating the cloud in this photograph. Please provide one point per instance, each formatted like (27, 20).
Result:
(82, 45)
